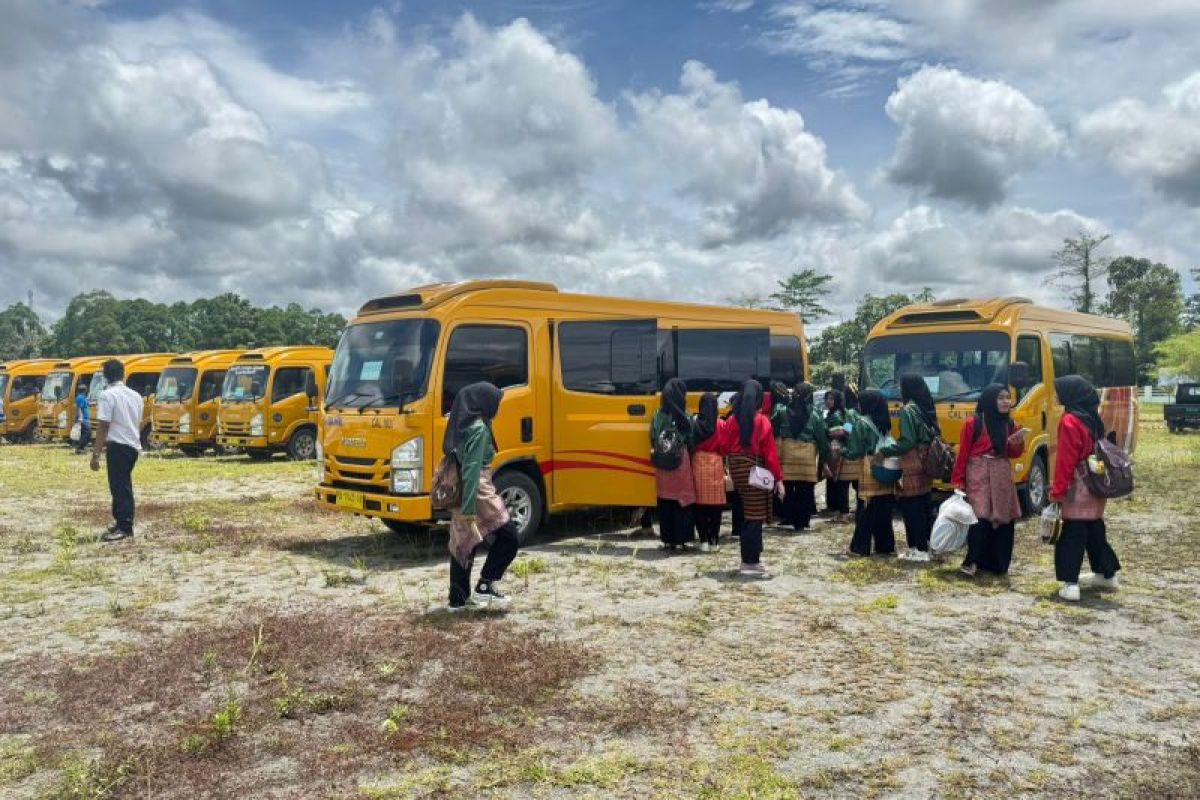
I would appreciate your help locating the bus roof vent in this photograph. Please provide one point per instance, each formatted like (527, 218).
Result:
(434, 293)
(949, 301)
(938, 317)
(250, 357)
(391, 303)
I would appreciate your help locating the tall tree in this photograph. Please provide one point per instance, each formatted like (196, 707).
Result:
(1150, 297)
(1080, 269)
(1179, 356)
(839, 348)
(22, 334)
(804, 293)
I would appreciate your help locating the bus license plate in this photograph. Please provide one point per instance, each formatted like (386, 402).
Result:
(350, 500)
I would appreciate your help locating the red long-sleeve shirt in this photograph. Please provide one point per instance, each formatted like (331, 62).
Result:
(713, 443)
(982, 446)
(1075, 443)
(762, 442)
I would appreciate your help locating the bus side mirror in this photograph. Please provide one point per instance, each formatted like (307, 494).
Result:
(310, 385)
(1018, 374)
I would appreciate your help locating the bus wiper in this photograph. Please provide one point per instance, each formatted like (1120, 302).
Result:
(345, 397)
(958, 396)
(383, 400)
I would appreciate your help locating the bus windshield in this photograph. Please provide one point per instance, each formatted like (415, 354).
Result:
(57, 385)
(3, 384)
(245, 382)
(176, 384)
(382, 364)
(955, 366)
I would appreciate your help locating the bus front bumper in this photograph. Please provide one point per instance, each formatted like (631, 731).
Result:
(252, 442)
(415, 508)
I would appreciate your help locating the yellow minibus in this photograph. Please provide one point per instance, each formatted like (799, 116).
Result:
(142, 372)
(56, 404)
(185, 402)
(580, 376)
(960, 346)
(265, 408)
(21, 383)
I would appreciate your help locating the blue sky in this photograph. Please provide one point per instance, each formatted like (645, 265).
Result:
(325, 153)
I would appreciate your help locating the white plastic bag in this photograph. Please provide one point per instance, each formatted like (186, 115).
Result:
(76, 432)
(1051, 523)
(954, 518)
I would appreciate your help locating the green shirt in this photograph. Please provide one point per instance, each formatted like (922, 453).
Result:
(913, 432)
(863, 439)
(474, 456)
(661, 421)
(815, 432)
(835, 419)
(779, 422)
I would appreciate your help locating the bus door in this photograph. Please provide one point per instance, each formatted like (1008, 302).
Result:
(604, 394)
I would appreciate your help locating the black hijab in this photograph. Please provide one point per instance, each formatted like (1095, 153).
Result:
(913, 389)
(852, 399)
(477, 401)
(872, 405)
(674, 402)
(989, 418)
(747, 409)
(1081, 399)
(801, 407)
(839, 402)
(706, 420)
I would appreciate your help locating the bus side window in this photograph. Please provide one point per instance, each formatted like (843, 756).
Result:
(498, 354)
(210, 385)
(289, 381)
(1060, 354)
(1029, 351)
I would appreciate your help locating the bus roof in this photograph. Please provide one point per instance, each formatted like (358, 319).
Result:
(27, 366)
(145, 360)
(80, 363)
(272, 354)
(531, 294)
(961, 313)
(204, 358)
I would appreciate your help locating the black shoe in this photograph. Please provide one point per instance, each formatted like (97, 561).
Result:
(115, 534)
(486, 594)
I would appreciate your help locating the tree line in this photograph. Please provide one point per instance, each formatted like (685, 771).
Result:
(1147, 294)
(96, 323)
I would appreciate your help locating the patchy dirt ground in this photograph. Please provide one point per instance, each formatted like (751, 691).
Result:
(247, 644)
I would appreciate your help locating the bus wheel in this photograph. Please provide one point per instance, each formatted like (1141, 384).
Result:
(33, 434)
(303, 445)
(1037, 488)
(524, 501)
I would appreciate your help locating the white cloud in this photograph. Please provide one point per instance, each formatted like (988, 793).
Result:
(754, 167)
(965, 139)
(727, 6)
(1158, 144)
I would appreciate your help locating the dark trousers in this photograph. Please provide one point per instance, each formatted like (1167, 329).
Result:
(501, 553)
(873, 524)
(708, 522)
(917, 524)
(837, 496)
(737, 512)
(1079, 537)
(750, 542)
(120, 460)
(799, 503)
(674, 522)
(990, 547)
(85, 438)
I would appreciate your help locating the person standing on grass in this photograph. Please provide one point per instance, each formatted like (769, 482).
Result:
(805, 443)
(747, 442)
(736, 516)
(1083, 529)
(674, 487)
(118, 439)
(83, 414)
(918, 427)
(837, 491)
(875, 501)
(482, 515)
(708, 472)
(983, 469)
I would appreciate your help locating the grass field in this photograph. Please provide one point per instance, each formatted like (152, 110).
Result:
(247, 644)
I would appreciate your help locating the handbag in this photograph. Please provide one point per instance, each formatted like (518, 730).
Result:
(728, 483)
(446, 492)
(1051, 523)
(761, 478)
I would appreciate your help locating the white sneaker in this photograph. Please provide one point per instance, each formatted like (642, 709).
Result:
(754, 571)
(1095, 581)
(918, 555)
(704, 547)
(1069, 592)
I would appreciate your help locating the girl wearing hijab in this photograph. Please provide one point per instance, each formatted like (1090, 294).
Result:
(837, 491)
(918, 426)
(746, 441)
(873, 520)
(804, 440)
(708, 471)
(1083, 528)
(983, 469)
(732, 498)
(483, 514)
(775, 406)
(675, 487)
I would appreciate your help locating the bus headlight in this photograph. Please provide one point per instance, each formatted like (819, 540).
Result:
(408, 466)
(256, 425)
(62, 419)
(185, 423)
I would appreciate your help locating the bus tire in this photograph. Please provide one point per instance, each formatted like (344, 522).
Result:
(1035, 494)
(303, 445)
(524, 500)
(31, 434)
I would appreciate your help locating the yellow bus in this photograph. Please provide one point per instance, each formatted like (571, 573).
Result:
(580, 376)
(185, 402)
(142, 372)
(961, 346)
(21, 383)
(56, 404)
(265, 408)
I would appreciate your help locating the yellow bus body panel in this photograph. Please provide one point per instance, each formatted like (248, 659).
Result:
(281, 418)
(166, 415)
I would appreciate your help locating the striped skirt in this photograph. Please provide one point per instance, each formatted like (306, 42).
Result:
(798, 459)
(755, 502)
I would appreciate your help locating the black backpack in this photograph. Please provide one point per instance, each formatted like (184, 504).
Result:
(668, 448)
(1116, 477)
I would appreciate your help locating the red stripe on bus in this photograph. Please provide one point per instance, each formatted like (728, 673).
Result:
(550, 466)
(641, 462)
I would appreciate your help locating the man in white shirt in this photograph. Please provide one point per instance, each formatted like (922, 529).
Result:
(119, 417)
